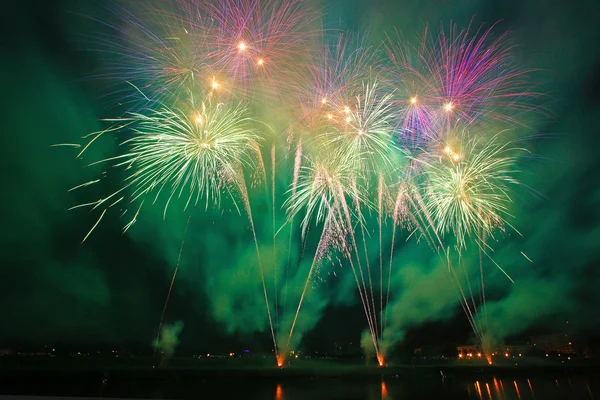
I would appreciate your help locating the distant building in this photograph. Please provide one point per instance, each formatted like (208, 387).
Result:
(469, 351)
(6, 352)
(476, 351)
(555, 344)
(560, 343)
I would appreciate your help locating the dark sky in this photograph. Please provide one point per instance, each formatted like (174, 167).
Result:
(111, 289)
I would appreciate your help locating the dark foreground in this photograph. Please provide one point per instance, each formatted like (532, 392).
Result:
(312, 381)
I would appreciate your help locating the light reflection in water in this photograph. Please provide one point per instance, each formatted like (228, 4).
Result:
(279, 392)
(478, 388)
(495, 390)
(384, 391)
(483, 389)
(530, 388)
(497, 387)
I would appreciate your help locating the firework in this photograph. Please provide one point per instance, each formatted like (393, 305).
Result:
(324, 186)
(194, 154)
(463, 196)
(467, 186)
(408, 143)
(256, 42)
(159, 53)
(363, 129)
(334, 73)
(455, 75)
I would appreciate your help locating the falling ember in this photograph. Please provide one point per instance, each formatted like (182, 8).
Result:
(489, 359)
(280, 361)
(380, 360)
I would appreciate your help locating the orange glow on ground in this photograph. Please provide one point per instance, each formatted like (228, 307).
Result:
(384, 392)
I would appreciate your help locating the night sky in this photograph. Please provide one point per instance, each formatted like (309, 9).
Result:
(111, 289)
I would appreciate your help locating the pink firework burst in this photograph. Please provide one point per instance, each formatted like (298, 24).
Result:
(454, 76)
(160, 52)
(333, 76)
(259, 41)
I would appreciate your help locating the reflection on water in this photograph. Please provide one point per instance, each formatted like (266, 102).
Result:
(510, 389)
(451, 384)
(471, 385)
(446, 389)
(384, 393)
(279, 392)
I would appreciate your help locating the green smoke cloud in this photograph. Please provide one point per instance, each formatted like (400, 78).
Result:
(169, 339)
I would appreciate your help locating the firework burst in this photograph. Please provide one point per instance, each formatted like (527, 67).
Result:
(160, 53)
(194, 154)
(467, 187)
(453, 76)
(363, 129)
(333, 75)
(259, 42)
